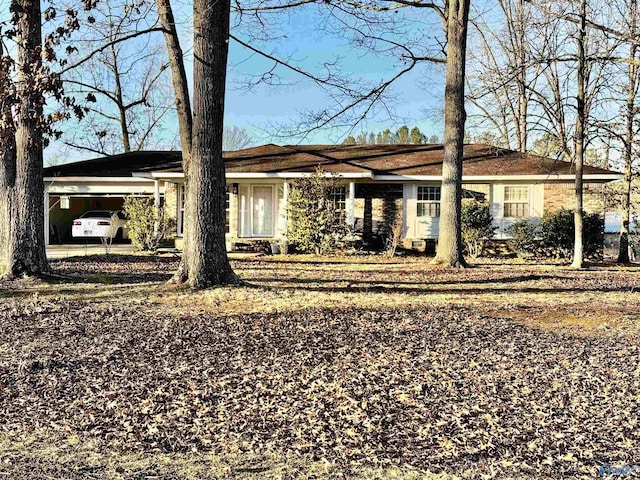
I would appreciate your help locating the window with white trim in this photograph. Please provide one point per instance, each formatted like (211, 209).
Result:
(338, 197)
(428, 202)
(181, 209)
(516, 201)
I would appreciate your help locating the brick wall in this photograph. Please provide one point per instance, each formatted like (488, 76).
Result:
(557, 195)
(171, 202)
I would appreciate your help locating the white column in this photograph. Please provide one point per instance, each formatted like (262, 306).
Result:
(46, 214)
(285, 203)
(156, 202)
(351, 204)
(156, 192)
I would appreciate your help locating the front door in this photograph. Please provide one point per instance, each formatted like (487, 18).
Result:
(262, 211)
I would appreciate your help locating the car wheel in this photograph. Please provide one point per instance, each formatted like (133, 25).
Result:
(119, 235)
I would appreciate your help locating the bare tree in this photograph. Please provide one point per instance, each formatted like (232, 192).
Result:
(235, 138)
(204, 261)
(127, 96)
(503, 73)
(581, 119)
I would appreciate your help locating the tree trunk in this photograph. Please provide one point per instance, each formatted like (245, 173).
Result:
(205, 262)
(122, 111)
(449, 252)
(623, 252)
(578, 214)
(22, 250)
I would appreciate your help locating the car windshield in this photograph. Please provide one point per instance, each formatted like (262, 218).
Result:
(97, 214)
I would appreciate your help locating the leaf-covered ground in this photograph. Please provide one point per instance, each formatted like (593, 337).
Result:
(320, 369)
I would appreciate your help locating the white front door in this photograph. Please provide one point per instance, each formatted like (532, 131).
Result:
(262, 211)
(428, 211)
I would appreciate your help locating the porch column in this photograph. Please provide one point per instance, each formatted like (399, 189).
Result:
(46, 215)
(351, 202)
(285, 203)
(156, 202)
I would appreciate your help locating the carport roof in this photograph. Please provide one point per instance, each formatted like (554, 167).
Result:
(123, 165)
(377, 160)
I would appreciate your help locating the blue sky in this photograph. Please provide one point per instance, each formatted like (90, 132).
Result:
(259, 108)
(418, 96)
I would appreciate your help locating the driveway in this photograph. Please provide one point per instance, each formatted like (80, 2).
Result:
(75, 250)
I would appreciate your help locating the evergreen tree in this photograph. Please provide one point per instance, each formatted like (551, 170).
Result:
(403, 135)
(416, 136)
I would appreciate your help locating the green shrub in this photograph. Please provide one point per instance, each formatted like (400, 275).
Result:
(557, 233)
(148, 224)
(593, 235)
(525, 238)
(316, 223)
(477, 226)
(554, 236)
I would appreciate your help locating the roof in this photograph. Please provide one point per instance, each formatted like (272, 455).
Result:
(122, 165)
(389, 160)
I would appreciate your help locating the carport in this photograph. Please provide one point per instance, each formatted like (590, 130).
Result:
(103, 183)
(67, 199)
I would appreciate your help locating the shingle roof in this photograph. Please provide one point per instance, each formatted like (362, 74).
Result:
(480, 160)
(122, 165)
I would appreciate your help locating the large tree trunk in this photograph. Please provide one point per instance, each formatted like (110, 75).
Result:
(205, 262)
(578, 214)
(22, 248)
(623, 252)
(449, 252)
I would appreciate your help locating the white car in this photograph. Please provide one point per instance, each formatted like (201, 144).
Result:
(111, 224)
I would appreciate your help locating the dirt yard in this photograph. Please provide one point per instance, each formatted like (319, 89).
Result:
(345, 367)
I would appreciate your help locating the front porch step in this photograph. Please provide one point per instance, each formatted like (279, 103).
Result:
(246, 245)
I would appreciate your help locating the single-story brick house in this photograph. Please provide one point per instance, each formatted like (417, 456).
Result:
(382, 184)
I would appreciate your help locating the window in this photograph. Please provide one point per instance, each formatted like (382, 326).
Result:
(428, 202)
(339, 198)
(516, 201)
(180, 226)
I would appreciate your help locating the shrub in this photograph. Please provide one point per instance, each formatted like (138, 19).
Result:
(148, 224)
(525, 237)
(593, 235)
(316, 223)
(476, 226)
(554, 236)
(557, 233)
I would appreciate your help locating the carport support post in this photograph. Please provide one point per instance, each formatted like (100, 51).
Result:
(46, 214)
(351, 199)
(156, 202)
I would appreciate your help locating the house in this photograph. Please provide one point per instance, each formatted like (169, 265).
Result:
(382, 184)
